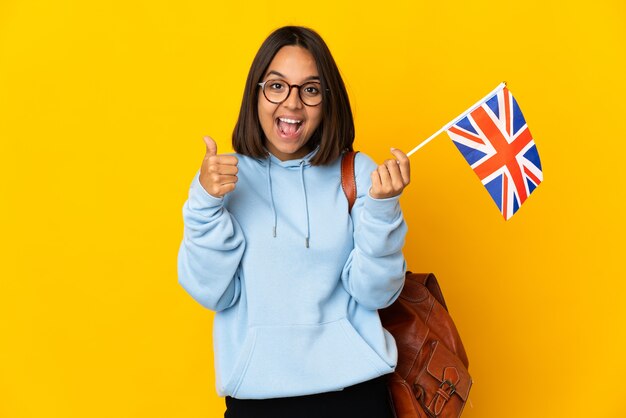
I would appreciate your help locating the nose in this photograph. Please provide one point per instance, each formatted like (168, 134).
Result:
(293, 100)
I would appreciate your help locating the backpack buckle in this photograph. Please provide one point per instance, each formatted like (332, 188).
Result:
(450, 386)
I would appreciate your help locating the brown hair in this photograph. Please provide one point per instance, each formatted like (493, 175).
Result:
(336, 130)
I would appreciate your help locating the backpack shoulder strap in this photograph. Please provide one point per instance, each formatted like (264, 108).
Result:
(429, 281)
(348, 178)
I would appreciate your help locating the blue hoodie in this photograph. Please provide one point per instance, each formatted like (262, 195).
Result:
(295, 279)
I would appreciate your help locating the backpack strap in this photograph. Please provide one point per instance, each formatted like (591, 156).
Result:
(348, 178)
(430, 282)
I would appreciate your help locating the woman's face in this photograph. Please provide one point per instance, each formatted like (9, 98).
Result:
(288, 126)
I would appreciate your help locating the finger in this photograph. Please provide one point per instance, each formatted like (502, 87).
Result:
(396, 176)
(404, 164)
(223, 169)
(221, 179)
(385, 178)
(211, 146)
(223, 160)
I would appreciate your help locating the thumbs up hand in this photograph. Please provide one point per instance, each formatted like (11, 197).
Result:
(218, 173)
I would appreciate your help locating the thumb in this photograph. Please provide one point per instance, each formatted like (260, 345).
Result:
(211, 146)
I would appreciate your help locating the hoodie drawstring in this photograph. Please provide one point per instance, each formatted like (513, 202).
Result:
(306, 206)
(269, 190)
(304, 198)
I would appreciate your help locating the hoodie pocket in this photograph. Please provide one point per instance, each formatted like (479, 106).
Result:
(280, 361)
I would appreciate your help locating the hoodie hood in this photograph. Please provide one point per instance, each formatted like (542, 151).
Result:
(295, 163)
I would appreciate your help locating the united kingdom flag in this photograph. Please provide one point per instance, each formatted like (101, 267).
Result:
(496, 142)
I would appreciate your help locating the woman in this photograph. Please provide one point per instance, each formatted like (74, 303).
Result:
(269, 244)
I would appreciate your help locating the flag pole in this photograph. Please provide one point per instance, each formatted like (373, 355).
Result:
(455, 120)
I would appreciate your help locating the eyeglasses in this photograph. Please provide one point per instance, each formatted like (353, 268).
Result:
(277, 91)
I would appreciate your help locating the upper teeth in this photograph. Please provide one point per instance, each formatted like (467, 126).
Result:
(289, 120)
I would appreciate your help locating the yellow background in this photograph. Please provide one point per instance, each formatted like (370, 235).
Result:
(102, 111)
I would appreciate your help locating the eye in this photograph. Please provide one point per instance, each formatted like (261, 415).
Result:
(311, 89)
(275, 85)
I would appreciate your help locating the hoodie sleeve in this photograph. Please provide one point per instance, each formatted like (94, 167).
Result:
(211, 250)
(374, 272)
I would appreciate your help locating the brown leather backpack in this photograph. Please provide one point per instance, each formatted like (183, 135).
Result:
(431, 378)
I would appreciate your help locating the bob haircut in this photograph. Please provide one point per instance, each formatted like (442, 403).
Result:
(336, 130)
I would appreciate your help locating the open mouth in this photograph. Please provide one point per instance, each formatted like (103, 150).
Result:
(289, 127)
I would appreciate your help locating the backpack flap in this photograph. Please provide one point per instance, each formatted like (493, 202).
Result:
(446, 384)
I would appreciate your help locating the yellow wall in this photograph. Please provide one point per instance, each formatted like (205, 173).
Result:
(102, 111)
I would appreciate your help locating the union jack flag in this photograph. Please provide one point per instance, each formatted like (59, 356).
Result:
(496, 142)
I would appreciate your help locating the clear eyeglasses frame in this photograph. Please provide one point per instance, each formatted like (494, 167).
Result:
(277, 91)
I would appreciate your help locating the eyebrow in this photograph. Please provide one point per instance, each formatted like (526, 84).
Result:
(309, 78)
